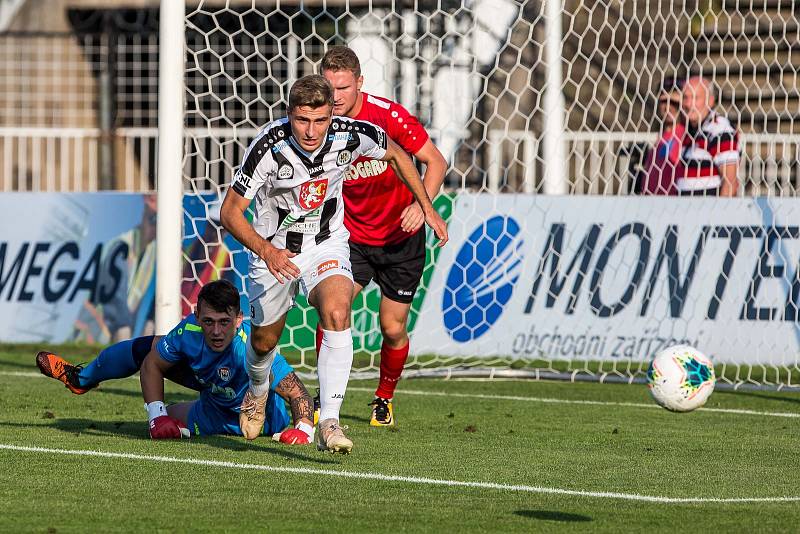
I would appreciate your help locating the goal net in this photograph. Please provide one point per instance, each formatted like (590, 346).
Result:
(548, 114)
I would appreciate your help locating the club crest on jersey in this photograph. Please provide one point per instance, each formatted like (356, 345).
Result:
(285, 172)
(313, 193)
(224, 374)
(345, 156)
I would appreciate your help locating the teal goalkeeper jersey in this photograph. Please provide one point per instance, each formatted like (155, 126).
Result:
(223, 375)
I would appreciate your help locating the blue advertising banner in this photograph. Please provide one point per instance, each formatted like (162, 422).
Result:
(81, 266)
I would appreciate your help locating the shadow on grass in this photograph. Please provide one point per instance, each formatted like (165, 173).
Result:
(129, 429)
(28, 366)
(550, 515)
(359, 418)
(795, 399)
(172, 396)
(138, 430)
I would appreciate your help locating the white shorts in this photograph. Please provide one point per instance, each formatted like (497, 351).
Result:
(270, 300)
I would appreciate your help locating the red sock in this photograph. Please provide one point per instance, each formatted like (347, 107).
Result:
(319, 337)
(392, 363)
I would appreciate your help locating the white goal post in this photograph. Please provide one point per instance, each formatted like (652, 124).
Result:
(546, 111)
(169, 238)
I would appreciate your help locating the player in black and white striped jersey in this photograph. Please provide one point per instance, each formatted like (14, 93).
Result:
(301, 206)
(294, 169)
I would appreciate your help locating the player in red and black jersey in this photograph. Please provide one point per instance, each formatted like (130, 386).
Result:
(386, 244)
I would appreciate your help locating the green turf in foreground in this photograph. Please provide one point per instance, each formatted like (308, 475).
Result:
(599, 448)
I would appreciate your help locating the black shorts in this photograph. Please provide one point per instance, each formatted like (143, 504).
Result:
(396, 268)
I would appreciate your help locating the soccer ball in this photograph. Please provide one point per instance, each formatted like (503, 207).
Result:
(680, 378)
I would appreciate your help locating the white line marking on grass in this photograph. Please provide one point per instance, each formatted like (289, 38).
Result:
(573, 401)
(397, 478)
(21, 373)
(519, 398)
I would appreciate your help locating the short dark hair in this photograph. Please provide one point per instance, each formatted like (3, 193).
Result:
(672, 83)
(339, 58)
(221, 296)
(313, 91)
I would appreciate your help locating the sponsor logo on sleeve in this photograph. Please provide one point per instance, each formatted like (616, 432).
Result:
(242, 179)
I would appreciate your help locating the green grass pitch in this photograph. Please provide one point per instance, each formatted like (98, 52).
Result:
(541, 461)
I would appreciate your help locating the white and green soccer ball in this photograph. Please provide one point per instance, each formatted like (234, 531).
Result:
(680, 378)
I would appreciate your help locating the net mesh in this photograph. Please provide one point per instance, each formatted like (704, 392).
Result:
(78, 112)
(475, 74)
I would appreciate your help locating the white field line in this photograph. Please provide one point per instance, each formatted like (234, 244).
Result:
(405, 479)
(572, 401)
(518, 398)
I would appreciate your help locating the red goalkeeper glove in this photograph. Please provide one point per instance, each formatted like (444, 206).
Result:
(166, 427)
(295, 436)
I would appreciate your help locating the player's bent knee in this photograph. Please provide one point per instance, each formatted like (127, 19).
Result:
(394, 332)
(337, 318)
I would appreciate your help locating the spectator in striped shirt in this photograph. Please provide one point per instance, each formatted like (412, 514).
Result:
(710, 154)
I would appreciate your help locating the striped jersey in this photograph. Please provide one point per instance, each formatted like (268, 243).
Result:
(298, 195)
(705, 149)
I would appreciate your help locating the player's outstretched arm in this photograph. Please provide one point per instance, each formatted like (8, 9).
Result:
(232, 217)
(435, 168)
(292, 390)
(404, 168)
(151, 376)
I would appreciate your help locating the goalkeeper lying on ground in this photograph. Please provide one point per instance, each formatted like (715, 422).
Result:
(205, 352)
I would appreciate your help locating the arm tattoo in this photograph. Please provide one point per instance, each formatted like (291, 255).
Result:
(293, 391)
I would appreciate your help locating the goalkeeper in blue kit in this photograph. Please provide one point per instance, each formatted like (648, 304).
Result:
(205, 352)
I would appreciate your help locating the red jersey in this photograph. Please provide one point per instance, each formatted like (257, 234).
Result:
(374, 196)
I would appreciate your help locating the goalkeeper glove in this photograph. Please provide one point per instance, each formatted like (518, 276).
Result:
(301, 434)
(162, 426)
(166, 427)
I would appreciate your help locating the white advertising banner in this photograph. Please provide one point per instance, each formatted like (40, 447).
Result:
(616, 278)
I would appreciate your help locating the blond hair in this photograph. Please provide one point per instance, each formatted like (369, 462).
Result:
(339, 58)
